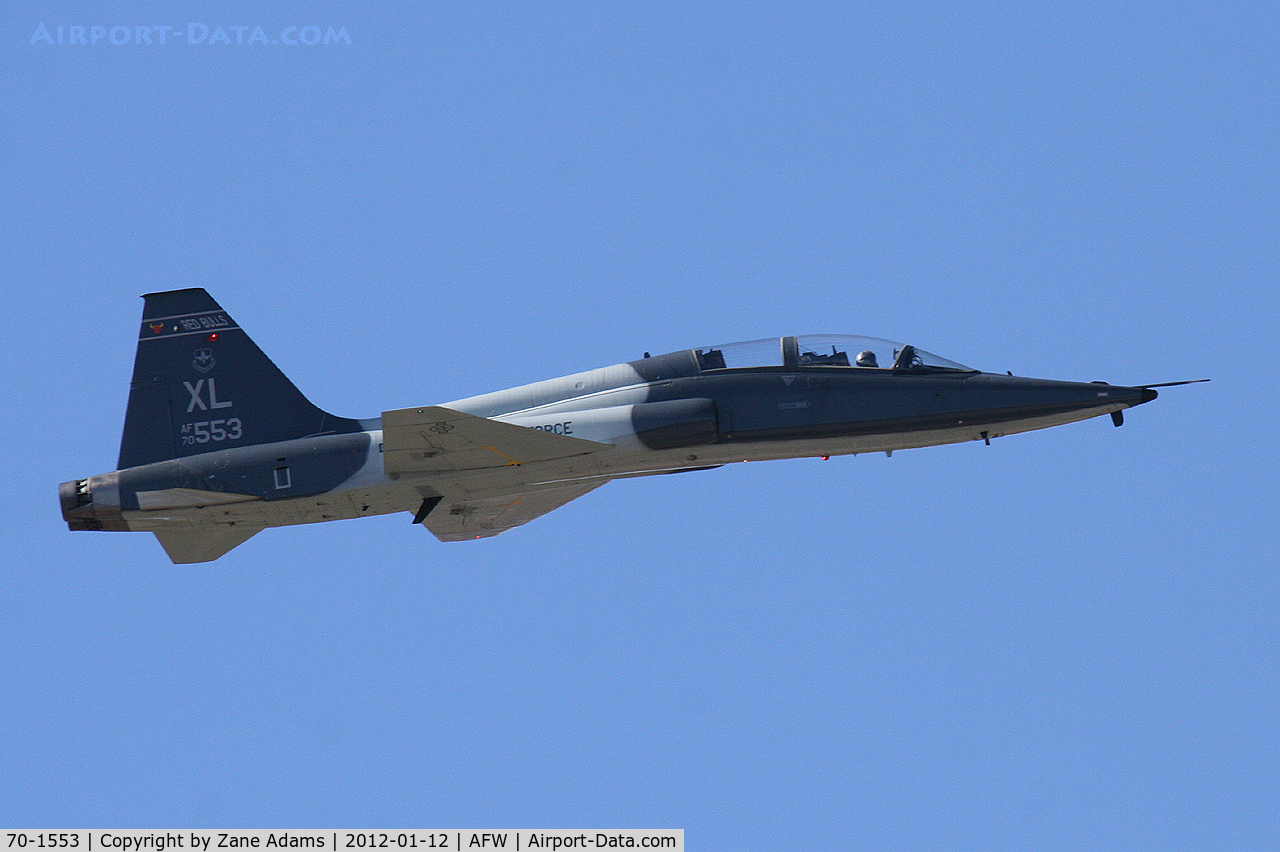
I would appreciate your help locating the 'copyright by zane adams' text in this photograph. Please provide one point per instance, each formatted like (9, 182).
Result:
(195, 33)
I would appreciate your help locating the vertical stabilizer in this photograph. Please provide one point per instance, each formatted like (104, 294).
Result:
(201, 384)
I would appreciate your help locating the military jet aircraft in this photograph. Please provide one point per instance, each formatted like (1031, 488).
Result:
(218, 444)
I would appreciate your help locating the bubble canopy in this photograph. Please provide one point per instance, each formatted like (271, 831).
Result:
(822, 350)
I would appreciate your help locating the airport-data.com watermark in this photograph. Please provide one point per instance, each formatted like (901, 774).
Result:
(193, 33)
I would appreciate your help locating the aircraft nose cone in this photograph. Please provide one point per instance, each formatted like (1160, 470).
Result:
(1046, 397)
(1132, 396)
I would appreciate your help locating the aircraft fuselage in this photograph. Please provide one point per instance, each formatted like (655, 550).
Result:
(476, 466)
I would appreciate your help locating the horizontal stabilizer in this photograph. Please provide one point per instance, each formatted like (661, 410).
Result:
(204, 543)
(436, 439)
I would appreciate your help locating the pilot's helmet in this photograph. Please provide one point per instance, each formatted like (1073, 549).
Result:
(867, 358)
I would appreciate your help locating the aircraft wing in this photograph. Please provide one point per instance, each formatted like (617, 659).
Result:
(436, 439)
(485, 516)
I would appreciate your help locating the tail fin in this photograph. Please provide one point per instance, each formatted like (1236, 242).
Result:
(200, 384)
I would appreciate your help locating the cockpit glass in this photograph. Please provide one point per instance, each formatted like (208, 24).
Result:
(839, 350)
(928, 359)
(736, 356)
(821, 350)
(846, 350)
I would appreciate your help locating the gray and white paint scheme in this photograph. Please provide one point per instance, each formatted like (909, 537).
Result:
(218, 444)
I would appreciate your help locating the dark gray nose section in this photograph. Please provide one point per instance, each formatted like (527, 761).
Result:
(1014, 398)
(1129, 395)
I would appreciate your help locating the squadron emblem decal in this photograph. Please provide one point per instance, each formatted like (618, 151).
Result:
(204, 361)
(199, 472)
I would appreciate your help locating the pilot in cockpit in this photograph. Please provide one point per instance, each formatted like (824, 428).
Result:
(866, 358)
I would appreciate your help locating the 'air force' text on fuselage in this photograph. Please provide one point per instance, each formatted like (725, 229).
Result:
(218, 444)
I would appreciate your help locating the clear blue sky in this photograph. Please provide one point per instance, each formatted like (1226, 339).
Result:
(1066, 640)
